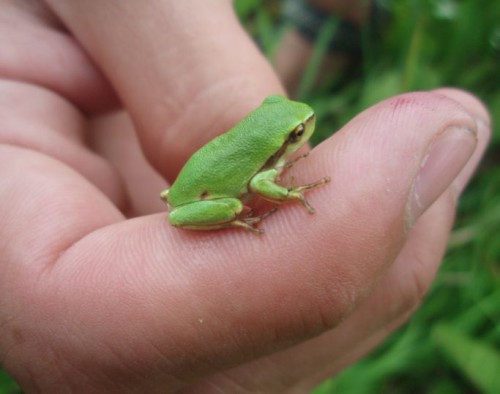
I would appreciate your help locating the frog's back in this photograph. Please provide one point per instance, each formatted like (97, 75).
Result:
(224, 166)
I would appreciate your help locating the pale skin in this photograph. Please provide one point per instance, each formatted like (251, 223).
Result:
(96, 283)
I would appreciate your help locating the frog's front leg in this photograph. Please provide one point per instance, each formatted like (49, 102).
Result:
(264, 184)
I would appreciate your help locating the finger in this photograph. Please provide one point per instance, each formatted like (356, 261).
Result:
(35, 118)
(398, 294)
(113, 137)
(302, 367)
(46, 207)
(202, 75)
(36, 49)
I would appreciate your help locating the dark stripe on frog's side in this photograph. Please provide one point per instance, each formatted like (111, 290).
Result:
(271, 162)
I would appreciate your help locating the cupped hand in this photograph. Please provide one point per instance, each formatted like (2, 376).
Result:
(99, 294)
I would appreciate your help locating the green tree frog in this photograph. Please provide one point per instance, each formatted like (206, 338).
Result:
(213, 187)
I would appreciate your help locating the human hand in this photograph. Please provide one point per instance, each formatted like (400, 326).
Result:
(99, 294)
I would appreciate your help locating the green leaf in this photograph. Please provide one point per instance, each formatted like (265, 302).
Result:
(479, 362)
(7, 385)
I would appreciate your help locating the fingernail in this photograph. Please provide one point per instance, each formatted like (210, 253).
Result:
(447, 155)
(483, 137)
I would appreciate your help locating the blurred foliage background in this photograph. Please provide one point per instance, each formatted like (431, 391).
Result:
(451, 345)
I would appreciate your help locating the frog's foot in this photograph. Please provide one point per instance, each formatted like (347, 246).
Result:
(246, 226)
(292, 162)
(256, 219)
(249, 213)
(298, 192)
(247, 222)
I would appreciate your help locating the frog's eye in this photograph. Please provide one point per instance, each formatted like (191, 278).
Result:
(297, 133)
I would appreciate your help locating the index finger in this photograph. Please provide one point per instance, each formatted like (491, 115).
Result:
(199, 76)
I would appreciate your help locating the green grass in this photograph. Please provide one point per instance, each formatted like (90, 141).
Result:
(451, 344)
(7, 385)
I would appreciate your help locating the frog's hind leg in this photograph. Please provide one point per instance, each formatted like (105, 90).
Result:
(206, 215)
